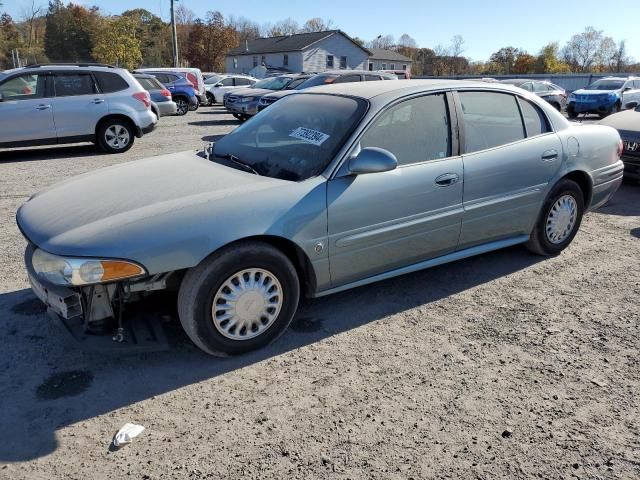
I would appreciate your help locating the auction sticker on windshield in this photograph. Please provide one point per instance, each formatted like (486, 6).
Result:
(308, 135)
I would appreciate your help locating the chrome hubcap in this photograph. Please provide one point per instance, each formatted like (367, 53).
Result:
(117, 136)
(561, 219)
(247, 304)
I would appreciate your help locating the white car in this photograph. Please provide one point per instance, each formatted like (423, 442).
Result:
(218, 85)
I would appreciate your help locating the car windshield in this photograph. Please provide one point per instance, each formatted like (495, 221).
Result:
(213, 80)
(317, 80)
(274, 83)
(606, 85)
(295, 139)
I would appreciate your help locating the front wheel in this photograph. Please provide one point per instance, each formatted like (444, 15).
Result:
(239, 299)
(559, 219)
(115, 135)
(571, 113)
(211, 99)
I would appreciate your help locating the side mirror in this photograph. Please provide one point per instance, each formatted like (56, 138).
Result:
(218, 85)
(372, 160)
(629, 105)
(626, 89)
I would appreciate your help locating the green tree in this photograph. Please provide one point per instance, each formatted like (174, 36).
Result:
(548, 60)
(69, 32)
(116, 43)
(154, 36)
(503, 61)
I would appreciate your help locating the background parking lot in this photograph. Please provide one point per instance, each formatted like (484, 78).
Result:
(502, 365)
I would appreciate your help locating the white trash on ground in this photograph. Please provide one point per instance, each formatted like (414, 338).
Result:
(128, 432)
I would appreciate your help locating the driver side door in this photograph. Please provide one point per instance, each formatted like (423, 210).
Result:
(383, 221)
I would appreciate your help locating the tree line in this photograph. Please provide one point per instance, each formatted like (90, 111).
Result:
(75, 33)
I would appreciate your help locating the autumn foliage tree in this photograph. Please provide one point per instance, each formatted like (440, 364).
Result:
(116, 43)
(209, 41)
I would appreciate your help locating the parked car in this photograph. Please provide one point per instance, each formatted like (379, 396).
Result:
(51, 104)
(161, 102)
(628, 125)
(336, 187)
(193, 75)
(552, 93)
(604, 96)
(400, 74)
(218, 85)
(182, 91)
(324, 78)
(243, 103)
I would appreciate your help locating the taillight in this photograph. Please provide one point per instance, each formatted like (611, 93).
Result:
(192, 80)
(620, 148)
(165, 93)
(143, 97)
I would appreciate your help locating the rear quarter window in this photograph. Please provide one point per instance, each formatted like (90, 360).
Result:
(534, 120)
(110, 82)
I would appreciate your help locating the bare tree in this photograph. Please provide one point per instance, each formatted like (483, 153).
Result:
(583, 49)
(621, 58)
(317, 24)
(457, 46)
(245, 29)
(288, 26)
(382, 41)
(408, 41)
(30, 16)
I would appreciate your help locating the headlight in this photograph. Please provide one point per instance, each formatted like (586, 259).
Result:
(572, 96)
(81, 271)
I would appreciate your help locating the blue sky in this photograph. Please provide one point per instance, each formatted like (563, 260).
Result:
(485, 25)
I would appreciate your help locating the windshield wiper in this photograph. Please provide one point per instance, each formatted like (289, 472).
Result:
(233, 159)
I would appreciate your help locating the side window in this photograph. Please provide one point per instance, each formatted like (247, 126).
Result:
(490, 119)
(347, 79)
(539, 87)
(242, 81)
(527, 86)
(534, 120)
(371, 78)
(110, 82)
(73, 84)
(415, 131)
(23, 87)
(227, 82)
(161, 77)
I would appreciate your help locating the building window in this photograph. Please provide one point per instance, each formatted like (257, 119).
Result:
(404, 67)
(285, 60)
(370, 67)
(384, 66)
(393, 66)
(235, 63)
(329, 61)
(264, 60)
(255, 61)
(343, 62)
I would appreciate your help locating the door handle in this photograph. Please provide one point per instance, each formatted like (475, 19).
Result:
(447, 179)
(98, 100)
(549, 155)
(43, 107)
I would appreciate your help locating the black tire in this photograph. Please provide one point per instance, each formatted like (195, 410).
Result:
(201, 283)
(156, 113)
(540, 242)
(183, 105)
(571, 113)
(557, 106)
(211, 98)
(194, 107)
(237, 115)
(115, 135)
(614, 109)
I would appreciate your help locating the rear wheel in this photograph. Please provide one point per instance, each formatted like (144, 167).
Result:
(559, 219)
(615, 109)
(183, 105)
(194, 106)
(239, 299)
(211, 98)
(115, 135)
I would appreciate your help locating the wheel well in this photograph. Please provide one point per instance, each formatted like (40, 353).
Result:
(136, 130)
(295, 254)
(584, 182)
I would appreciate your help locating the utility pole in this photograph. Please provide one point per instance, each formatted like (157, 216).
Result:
(174, 39)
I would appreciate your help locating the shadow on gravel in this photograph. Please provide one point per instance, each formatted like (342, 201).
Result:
(625, 202)
(49, 153)
(54, 383)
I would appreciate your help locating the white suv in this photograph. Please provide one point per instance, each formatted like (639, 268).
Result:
(53, 104)
(218, 85)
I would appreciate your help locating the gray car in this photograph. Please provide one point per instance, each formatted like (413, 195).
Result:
(332, 188)
(52, 104)
(628, 125)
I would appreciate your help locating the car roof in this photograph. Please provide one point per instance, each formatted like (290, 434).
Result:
(143, 75)
(70, 66)
(368, 90)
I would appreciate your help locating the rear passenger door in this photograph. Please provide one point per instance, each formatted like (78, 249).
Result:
(78, 105)
(510, 155)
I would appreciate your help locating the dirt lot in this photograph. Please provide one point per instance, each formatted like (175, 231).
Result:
(505, 365)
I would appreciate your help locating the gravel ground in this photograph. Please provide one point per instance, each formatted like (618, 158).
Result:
(505, 365)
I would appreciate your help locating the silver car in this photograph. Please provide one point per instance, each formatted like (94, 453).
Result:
(332, 188)
(54, 104)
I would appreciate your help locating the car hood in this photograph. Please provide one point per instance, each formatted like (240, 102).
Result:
(584, 91)
(163, 212)
(627, 120)
(281, 93)
(252, 92)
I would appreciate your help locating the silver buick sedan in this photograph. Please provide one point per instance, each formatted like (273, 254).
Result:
(329, 189)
